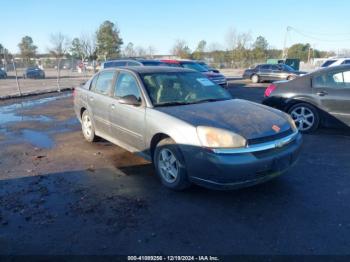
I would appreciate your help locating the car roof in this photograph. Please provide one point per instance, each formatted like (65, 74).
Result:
(333, 68)
(152, 69)
(147, 60)
(120, 60)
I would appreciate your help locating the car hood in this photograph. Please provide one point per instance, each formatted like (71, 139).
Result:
(212, 74)
(245, 118)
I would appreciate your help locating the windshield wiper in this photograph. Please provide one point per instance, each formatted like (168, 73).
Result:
(210, 100)
(173, 104)
(192, 102)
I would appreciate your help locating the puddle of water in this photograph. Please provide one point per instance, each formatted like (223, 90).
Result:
(8, 113)
(37, 139)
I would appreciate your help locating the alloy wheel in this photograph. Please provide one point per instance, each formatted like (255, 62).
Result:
(168, 165)
(304, 118)
(87, 126)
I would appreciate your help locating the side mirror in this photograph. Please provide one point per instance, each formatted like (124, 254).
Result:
(130, 100)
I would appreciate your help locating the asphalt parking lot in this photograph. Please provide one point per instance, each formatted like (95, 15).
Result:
(62, 195)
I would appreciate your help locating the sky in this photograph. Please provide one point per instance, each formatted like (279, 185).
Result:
(159, 23)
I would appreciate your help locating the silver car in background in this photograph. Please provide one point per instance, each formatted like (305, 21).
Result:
(189, 127)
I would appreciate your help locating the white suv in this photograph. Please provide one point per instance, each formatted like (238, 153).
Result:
(336, 62)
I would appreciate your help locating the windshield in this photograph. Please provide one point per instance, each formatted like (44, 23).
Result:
(166, 89)
(194, 66)
(288, 68)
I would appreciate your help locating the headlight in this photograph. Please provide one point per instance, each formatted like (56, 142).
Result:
(292, 123)
(218, 138)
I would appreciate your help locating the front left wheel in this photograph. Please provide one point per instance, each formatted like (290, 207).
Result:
(170, 165)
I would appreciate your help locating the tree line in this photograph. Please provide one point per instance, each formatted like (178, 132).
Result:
(106, 43)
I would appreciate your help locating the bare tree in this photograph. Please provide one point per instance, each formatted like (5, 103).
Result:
(140, 51)
(88, 43)
(58, 48)
(129, 50)
(181, 49)
(151, 51)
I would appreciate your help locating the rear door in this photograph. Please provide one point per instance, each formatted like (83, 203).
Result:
(128, 121)
(265, 72)
(98, 98)
(332, 90)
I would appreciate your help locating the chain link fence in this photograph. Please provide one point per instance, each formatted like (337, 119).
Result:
(47, 77)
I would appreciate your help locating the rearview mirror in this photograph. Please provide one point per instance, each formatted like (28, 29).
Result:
(130, 100)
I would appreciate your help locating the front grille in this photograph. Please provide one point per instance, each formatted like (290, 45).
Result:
(265, 139)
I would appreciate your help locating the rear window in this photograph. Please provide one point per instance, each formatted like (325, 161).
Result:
(194, 66)
(114, 64)
(132, 63)
(152, 63)
(328, 63)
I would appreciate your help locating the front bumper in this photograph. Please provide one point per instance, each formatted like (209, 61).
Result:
(236, 170)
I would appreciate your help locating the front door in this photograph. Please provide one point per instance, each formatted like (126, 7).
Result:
(128, 121)
(332, 90)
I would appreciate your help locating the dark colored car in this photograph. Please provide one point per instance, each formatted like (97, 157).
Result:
(217, 78)
(189, 127)
(268, 72)
(3, 74)
(131, 62)
(319, 98)
(34, 73)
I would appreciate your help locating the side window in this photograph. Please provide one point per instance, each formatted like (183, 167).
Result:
(333, 80)
(104, 82)
(127, 85)
(346, 62)
(276, 67)
(346, 77)
(265, 67)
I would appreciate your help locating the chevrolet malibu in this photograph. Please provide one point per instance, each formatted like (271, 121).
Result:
(189, 127)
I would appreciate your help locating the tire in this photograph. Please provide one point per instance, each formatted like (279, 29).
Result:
(170, 165)
(255, 79)
(306, 117)
(87, 127)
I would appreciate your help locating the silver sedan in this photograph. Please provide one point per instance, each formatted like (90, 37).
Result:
(189, 127)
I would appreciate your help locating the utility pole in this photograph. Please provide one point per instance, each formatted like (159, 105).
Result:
(285, 49)
(309, 55)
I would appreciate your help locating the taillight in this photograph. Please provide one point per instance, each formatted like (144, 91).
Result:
(269, 90)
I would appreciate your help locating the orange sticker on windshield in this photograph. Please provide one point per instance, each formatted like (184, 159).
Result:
(276, 128)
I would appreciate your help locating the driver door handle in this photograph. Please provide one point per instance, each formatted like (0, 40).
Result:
(322, 93)
(91, 98)
(113, 106)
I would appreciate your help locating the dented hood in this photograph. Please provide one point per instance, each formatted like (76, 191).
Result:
(245, 118)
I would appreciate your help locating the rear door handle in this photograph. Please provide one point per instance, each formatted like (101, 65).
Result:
(113, 106)
(91, 98)
(322, 93)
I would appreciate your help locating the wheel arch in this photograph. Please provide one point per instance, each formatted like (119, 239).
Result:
(155, 140)
(298, 100)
